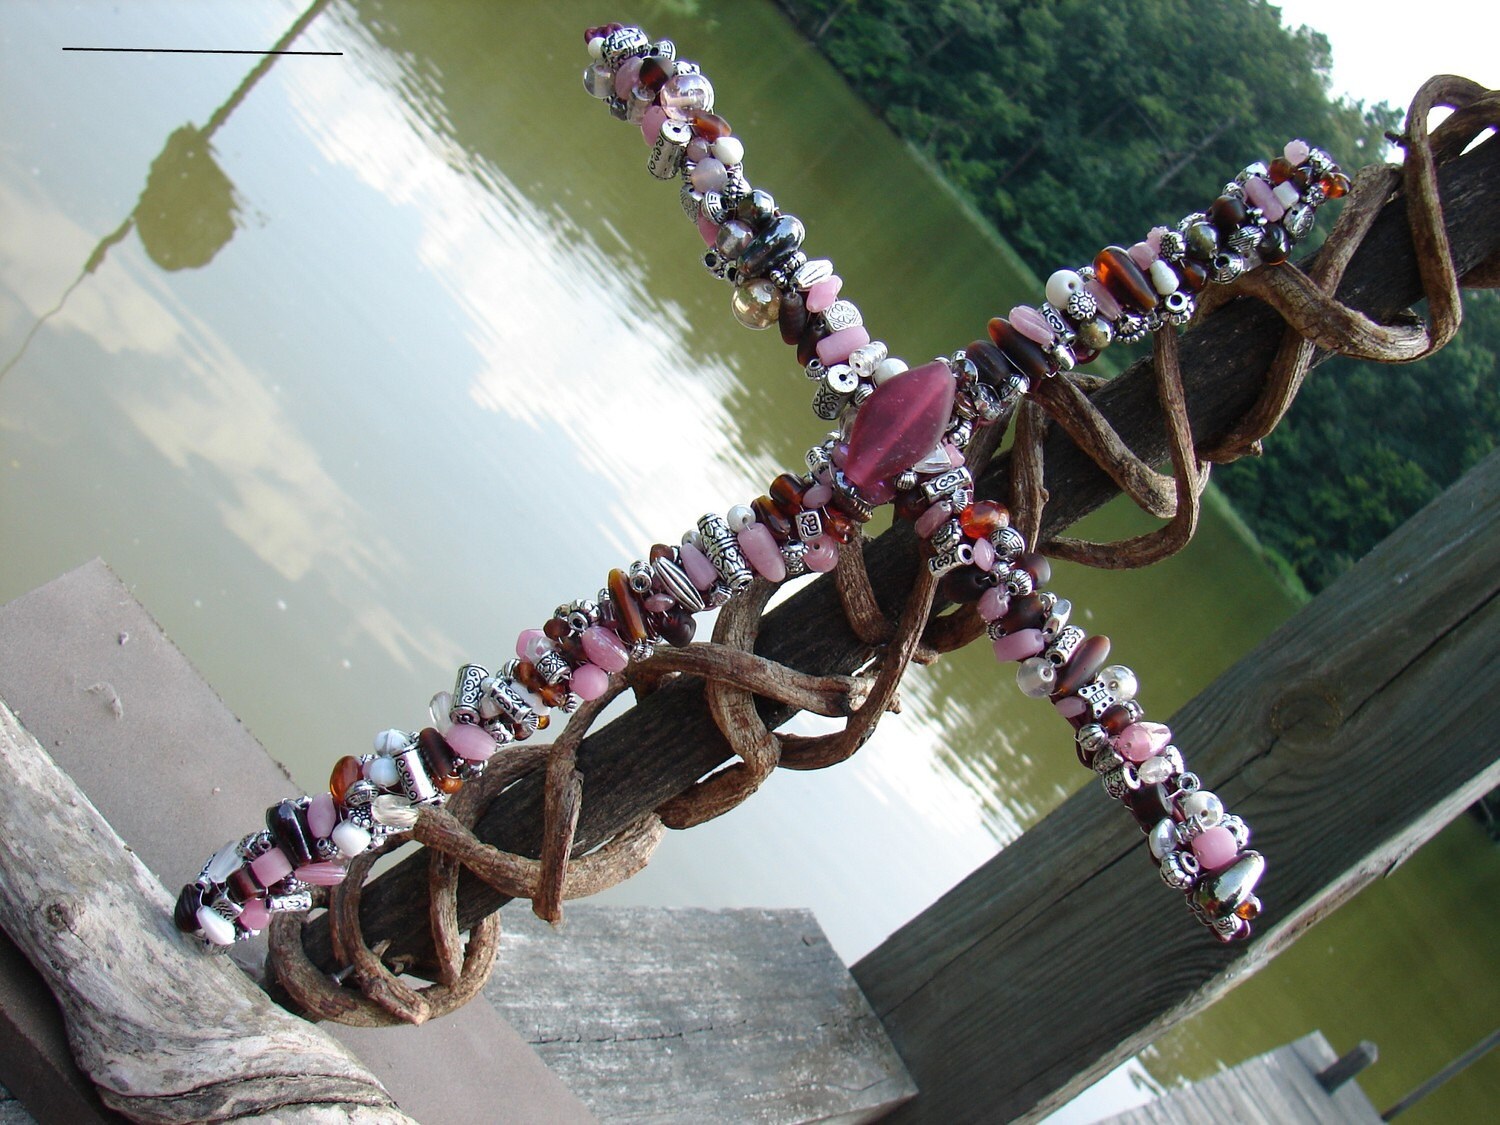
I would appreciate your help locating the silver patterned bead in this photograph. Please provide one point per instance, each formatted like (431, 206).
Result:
(692, 201)
(861, 395)
(1062, 356)
(553, 667)
(674, 581)
(1246, 238)
(1250, 171)
(1064, 644)
(1092, 738)
(1120, 781)
(713, 207)
(815, 370)
(1131, 328)
(794, 554)
(464, 707)
(811, 272)
(719, 266)
(906, 481)
(944, 561)
(1019, 583)
(849, 499)
(783, 274)
(1009, 543)
(415, 781)
(718, 595)
(1055, 321)
(946, 484)
(809, 525)
(664, 49)
(723, 550)
(1314, 195)
(842, 314)
(1298, 221)
(1057, 615)
(1082, 307)
(624, 43)
(1179, 870)
(828, 404)
(360, 794)
(865, 359)
(1178, 308)
(294, 903)
(1225, 267)
(948, 536)
(665, 158)
(818, 460)
(1099, 698)
(1320, 163)
(1173, 246)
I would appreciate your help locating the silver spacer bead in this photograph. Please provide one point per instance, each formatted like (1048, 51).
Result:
(1178, 308)
(1131, 328)
(1173, 246)
(1008, 543)
(1298, 221)
(1225, 267)
(1082, 307)
(1179, 870)
(1019, 583)
(947, 537)
(1120, 781)
(1246, 239)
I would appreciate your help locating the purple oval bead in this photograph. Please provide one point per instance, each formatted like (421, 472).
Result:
(1019, 646)
(605, 649)
(322, 816)
(1032, 324)
(760, 549)
(700, 571)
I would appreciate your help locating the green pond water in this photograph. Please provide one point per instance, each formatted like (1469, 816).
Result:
(354, 365)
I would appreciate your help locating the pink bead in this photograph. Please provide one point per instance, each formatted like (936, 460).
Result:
(1139, 741)
(270, 867)
(531, 643)
(589, 681)
(1109, 308)
(955, 455)
(1019, 645)
(658, 603)
(626, 77)
(822, 554)
(1153, 239)
(605, 649)
(469, 742)
(709, 175)
(708, 229)
(1143, 254)
(254, 915)
(651, 124)
(984, 555)
(993, 604)
(1215, 848)
(823, 294)
(322, 874)
(836, 347)
(322, 816)
(932, 519)
(762, 553)
(900, 423)
(700, 571)
(1070, 707)
(1296, 152)
(817, 496)
(1262, 195)
(1031, 324)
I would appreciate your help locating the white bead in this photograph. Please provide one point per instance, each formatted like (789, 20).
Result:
(536, 647)
(1154, 770)
(224, 863)
(596, 47)
(888, 369)
(1036, 677)
(1163, 278)
(729, 150)
(1121, 681)
(1062, 285)
(382, 772)
(390, 741)
(216, 928)
(1288, 193)
(739, 518)
(1204, 805)
(437, 709)
(1163, 838)
(393, 811)
(533, 700)
(350, 839)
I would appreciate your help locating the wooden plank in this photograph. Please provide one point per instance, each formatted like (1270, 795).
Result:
(1346, 739)
(1279, 1087)
(1223, 362)
(662, 1015)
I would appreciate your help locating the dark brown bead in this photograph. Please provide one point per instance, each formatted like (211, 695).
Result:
(1280, 170)
(1037, 566)
(630, 617)
(1228, 213)
(1120, 715)
(807, 344)
(288, 828)
(983, 518)
(709, 126)
(1275, 244)
(346, 771)
(1148, 804)
(1194, 273)
(653, 74)
(439, 757)
(1021, 350)
(242, 885)
(677, 627)
(185, 913)
(1088, 658)
(553, 695)
(965, 584)
(910, 505)
(792, 319)
(994, 369)
(1119, 274)
(527, 675)
(662, 551)
(555, 628)
(1024, 612)
(769, 514)
(787, 491)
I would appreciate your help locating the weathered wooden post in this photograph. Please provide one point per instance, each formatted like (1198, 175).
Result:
(1347, 738)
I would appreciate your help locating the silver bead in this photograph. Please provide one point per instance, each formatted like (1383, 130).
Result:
(464, 706)
(842, 314)
(815, 370)
(1092, 738)
(1064, 643)
(850, 500)
(553, 667)
(1099, 698)
(1055, 321)
(1179, 870)
(1018, 583)
(723, 550)
(665, 158)
(360, 794)
(1314, 195)
(840, 379)
(673, 580)
(1173, 246)
(1057, 616)
(1203, 807)
(665, 50)
(1298, 220)
(719, 266)
(1179, 307)
(624, 43)
(946, 484)
(828, 404)
(811, 272)
(947, 537)
(692, 201)
(865, 359)
(1120, 781)
(1238, 829)
(1131, 328)
(809, 525)
(942, 563)
(1009, 543)
(985, 403)
(794, 554)
(906, 481)
(1320, 163)
(1252, 170)
(416, 783)
(294, 903)
(1225, 267)
(1082, 307)
(638, 577)
(1219, 896)
(718, 595)
(1062, 356)
(1246, 238)
(713, 207)
(784, 272)
(1162, 839)
(818, 459)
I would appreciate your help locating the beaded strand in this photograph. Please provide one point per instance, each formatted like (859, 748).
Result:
(900, 436)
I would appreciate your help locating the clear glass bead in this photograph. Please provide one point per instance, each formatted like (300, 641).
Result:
(686, 94)
(1036, 677)
(756, 303)
(393, 811)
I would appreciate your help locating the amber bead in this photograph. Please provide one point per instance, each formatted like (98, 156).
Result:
(1275, 244)
(1037, 566)
(807, 345)
(1025, 612)
(1335, 185)
(439, 756)
(543, 722)
(1280, 170)
(1120, 715)
(1119, 274)
(527, 676)
(288, 828)
(709, 126)
(346, 771)
(792, 319)
(965, 584)
(555, 629)
(837, 524)
(242, 885)
(1088, 658)
(767, 512)
(677, 627)
(653, 74)
(1021, 350)
(1228, 213)
(1148, 804)
(1194, 273)
(787, 491)
(983, 518)
(661, 551)
(630, 617)
(990, 362)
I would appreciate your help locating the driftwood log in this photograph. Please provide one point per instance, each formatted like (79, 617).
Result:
(165, 1032)
(669, 740)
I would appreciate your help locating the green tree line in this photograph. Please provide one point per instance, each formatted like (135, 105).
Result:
(1071, 123)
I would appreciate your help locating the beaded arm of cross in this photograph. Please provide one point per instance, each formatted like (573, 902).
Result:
(900, 434)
